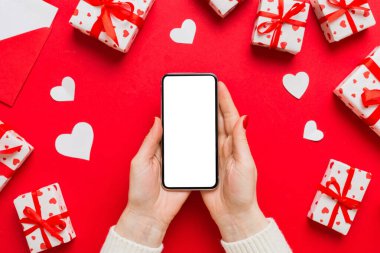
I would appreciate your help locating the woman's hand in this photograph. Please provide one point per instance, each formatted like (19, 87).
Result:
(233, 204)
(150, 208)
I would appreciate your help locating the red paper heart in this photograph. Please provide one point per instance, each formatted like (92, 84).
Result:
(343, 23)
(283, 45)
(53, 201)
(325, 210)
(366, 74)
(16, 161)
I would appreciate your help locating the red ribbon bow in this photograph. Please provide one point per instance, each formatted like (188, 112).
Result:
(54, 224)
(372, 97)
(344, 9)
(278, 20)
(121, 10)
(4, 170)
(343, 202)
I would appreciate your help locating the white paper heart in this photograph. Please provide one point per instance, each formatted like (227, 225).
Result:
(185, 34)
(78, 144)
(65, 92)
(311, 132)
(296, 84)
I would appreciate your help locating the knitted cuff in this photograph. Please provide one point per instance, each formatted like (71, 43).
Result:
(269, 240)
(117, 244)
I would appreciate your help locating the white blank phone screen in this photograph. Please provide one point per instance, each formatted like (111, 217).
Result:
(189, 131)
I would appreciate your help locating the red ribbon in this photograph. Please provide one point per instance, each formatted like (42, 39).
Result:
(4, 170)
(344, 9)
(278, 20)
(372, 97)
(54, 224)
(122, 11)
(343, 202)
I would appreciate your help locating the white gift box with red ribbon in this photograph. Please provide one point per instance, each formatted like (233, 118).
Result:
(342, 18)
(339, 196)
(14, 150)
(280, 24)
(45, 218)
(360, 91)
(115, 23)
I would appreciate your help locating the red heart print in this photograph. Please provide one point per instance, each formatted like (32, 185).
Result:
(53, 201)
(298, 40)
(6, 146)
(353, 11)
(366, 74)
(295, 27)
(366, 14)
(140, 12)
(325, 210)
(283, 45)
(268, 36)
(361, 26)
(361, 188)
(353, 95)
(329, 36)
(33, 237)
(76, 11)
(332, 163)
(337, 223)
(343, 23)
(355, 81)
(125, 33)
(16, 161)
(270, 1)
(43, 246)
(39, 193)
(322, 6)
(369, 175)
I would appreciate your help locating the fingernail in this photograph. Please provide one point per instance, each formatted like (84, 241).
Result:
(245, 122)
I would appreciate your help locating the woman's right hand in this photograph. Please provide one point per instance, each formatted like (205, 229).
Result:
(233, 204)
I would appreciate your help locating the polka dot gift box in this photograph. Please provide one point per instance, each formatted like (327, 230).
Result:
(339, 196)
(14, 150)
(360, 91)
(115, 23)
(280, 24)
(224, 7)
(44, 217)
(342, 18)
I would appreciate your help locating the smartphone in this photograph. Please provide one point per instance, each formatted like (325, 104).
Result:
(190, 139)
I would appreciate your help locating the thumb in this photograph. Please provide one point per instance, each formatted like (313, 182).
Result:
(152, 140)
(241, 151)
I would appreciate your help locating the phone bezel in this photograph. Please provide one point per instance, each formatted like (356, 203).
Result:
(216, 132)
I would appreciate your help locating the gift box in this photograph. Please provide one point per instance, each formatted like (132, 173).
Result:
(339, 196)
(115, 23)
(44, 217)
(342, 18)
(360, 91)
(280, 24)
(224, 7)
(14, 150)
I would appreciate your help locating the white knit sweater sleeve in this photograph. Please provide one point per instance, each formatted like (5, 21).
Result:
(269, 240)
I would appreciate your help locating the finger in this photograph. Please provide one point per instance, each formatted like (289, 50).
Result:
(227, 107)
(240, 146)
(152, 141)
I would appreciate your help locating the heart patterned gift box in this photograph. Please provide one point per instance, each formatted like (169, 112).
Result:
(14, 150)
(360, 91)
(115, 23)
(45, 218)
(339, 196)
(342, 18)
(224, 7)
(280, 24)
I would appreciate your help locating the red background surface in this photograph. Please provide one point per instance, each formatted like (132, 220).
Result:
(120, 94)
